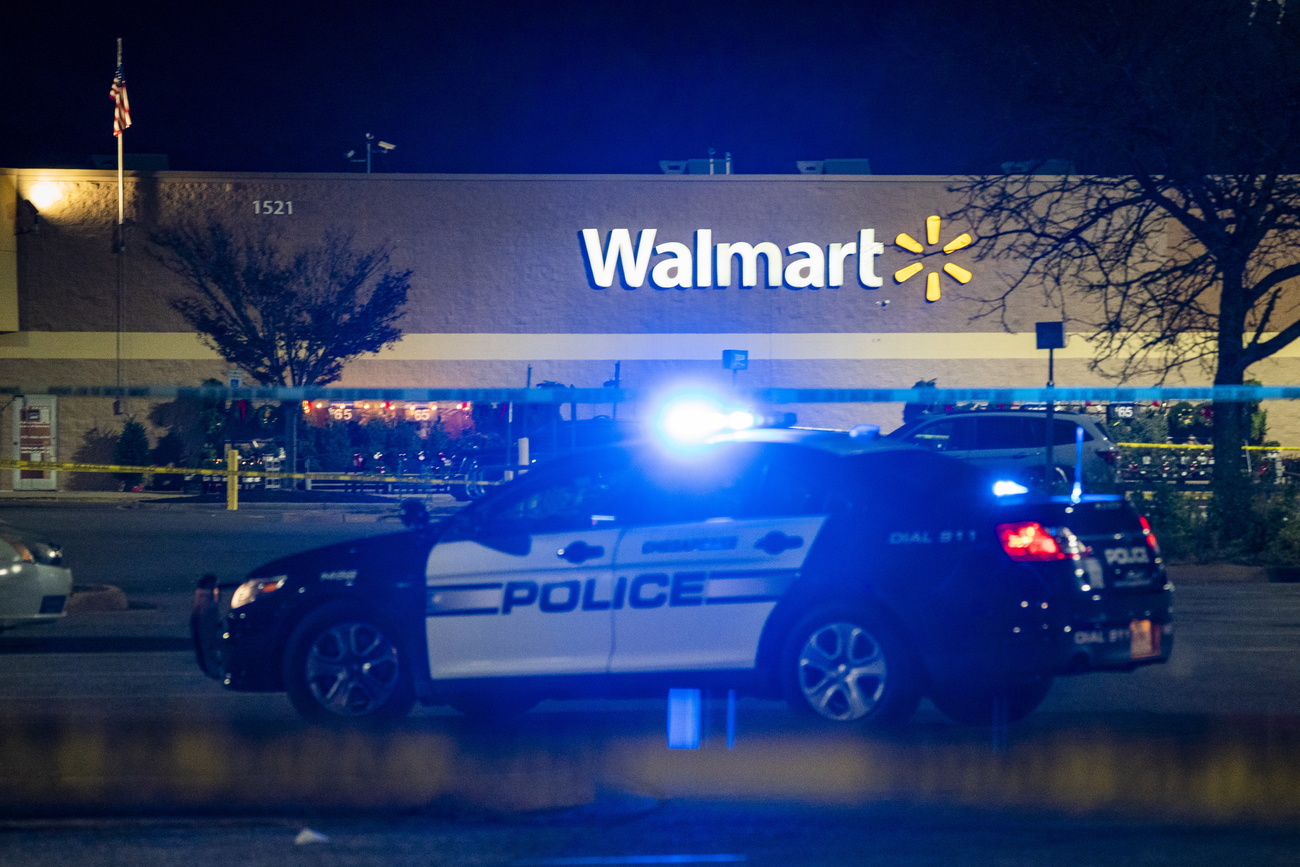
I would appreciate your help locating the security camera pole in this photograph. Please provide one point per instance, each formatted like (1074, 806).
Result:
(373, 146)
(1051, 336)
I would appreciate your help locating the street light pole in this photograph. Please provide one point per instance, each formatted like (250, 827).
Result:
(373, 146)
(1050, 336)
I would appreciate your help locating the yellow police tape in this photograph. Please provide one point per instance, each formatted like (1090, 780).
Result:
(50, 467)
(1204, 446)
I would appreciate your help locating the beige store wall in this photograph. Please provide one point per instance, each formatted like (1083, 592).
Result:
(500, 283)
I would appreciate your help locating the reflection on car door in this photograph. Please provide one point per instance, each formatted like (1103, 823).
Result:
(524, 585)
(704, 572)
(698, 593)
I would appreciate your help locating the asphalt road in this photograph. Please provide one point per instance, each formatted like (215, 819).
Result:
(647, 832)
(151, 548)
(1223, 712)
(1236, 650)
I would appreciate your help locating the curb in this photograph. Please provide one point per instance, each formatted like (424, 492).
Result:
(95, 597)
(1215, 573)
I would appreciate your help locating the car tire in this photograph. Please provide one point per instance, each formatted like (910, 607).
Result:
(345, 666)
(851, 666)
(472, 472)
(461, 491)
(991, 707)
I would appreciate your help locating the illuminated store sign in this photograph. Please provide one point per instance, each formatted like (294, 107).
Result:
(707, 264)
(686, 268)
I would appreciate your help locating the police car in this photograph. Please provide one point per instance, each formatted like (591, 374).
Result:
(848, 574)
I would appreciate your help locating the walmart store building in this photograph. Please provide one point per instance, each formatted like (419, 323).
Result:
(827, 281)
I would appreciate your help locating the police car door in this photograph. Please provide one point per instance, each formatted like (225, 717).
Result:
(702, 569)
(520, 583)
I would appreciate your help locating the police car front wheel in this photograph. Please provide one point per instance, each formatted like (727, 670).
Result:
(342, 666)
(850, 665)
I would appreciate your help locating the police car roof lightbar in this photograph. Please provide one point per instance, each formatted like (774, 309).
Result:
(695, 417)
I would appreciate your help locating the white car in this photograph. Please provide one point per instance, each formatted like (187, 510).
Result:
(34, 583)
(1014, 441)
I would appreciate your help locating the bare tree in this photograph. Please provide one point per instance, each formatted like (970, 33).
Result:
(1180, 233)
(285, 317)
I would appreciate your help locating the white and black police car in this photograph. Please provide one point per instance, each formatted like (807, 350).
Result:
(848, 574)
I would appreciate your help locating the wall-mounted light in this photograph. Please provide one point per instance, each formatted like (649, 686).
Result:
(44, 194)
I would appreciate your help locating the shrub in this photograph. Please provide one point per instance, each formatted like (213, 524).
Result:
(131, 449)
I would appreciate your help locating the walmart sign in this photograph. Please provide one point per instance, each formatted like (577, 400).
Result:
(706, 263)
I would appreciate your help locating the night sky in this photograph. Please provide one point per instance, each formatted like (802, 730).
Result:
(507, 87)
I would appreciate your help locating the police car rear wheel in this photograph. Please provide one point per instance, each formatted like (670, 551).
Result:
(991, 706)
(848, 665)
(342, 667)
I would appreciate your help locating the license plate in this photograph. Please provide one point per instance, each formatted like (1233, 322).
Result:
(1144, 639)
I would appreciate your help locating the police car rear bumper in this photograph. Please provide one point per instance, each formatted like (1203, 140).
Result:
(1100, 647)
(1117, 632)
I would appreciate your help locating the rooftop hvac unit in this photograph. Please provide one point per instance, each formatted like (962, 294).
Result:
(1039, 167)
(847, 167)
(711, 165)
(834, 167)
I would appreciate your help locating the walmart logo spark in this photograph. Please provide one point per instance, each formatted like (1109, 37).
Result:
(958, 273)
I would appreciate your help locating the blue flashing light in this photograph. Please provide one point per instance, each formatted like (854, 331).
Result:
(695, 418)
(1007, 488)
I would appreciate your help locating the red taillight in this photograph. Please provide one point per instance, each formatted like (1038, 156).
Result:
(1029, 541)
(1150, 534)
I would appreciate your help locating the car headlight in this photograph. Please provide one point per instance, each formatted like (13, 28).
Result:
(51, 555)
(255, 587)
(35, 552)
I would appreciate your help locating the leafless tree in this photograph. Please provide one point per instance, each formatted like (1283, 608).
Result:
(1180, 230)
(285, 316)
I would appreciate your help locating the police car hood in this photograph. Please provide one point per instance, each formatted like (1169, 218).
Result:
(372, 557)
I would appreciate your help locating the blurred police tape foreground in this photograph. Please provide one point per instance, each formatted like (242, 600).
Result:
(1178, 768)
(995, 396)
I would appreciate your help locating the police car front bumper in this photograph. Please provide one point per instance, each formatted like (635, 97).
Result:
(238, 651)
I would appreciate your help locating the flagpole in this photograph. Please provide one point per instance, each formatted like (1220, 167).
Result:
(120, 246)
(121, 207)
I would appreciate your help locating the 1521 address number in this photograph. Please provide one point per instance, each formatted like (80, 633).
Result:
(270, 207)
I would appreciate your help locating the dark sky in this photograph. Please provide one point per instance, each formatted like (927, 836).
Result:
(504, 87)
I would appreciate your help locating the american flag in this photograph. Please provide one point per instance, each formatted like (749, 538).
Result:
(121, 108)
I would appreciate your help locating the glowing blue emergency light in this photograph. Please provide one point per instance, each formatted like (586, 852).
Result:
(695, 419)
(1007, 488)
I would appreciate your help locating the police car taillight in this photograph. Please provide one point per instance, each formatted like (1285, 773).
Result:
(1029, 541)
(1149, 534)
